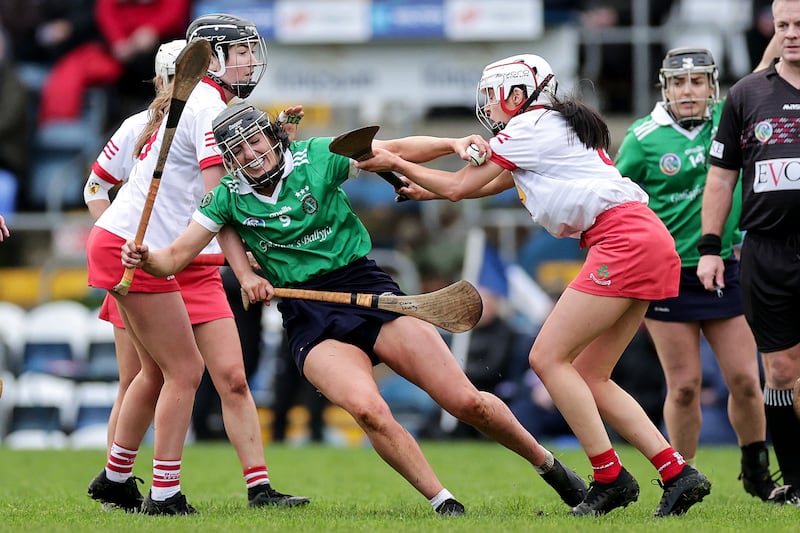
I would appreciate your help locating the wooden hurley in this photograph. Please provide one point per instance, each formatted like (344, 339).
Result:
(455, 308)
(190, 67)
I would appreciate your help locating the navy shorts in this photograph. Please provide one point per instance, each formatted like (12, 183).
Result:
(771, 289)
(694, 303)
(307, 323)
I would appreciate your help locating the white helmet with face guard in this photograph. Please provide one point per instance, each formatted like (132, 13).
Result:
(224, 32)
(686, 62)
(165, 59)
(528, 71)
(235, 130)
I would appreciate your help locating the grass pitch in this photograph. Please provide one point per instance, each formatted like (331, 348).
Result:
(352, 490)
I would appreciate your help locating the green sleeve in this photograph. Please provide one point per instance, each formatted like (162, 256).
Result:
(631, 160)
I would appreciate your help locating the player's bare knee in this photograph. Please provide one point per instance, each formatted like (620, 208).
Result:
(686, 395)
(744, 386)
(236, 385)
(372, 416)
(781, 371)
(472, 409)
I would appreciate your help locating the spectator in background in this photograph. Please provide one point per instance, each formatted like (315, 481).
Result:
(13, 129)
(613, 76)
(45, 30)
(131, 32)
(759, 35)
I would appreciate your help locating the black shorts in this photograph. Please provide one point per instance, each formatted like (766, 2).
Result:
(694, 303)
(771, 289)
(308, 323)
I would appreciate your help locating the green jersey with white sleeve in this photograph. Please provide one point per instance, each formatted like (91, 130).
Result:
(305, 228)
(670, 163)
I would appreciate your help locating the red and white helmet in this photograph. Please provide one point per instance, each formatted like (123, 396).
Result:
(528, 71)
(165, 59)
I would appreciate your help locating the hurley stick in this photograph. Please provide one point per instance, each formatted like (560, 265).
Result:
(357, 144)
(455, 308)
(190, 67)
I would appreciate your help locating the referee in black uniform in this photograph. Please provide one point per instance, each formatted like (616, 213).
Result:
(759, 135)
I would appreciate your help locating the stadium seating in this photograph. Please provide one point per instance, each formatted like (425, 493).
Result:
(58, 365)
(12, 337)
(42, 408)
(101, 355)
(93, 403)
(55, 338)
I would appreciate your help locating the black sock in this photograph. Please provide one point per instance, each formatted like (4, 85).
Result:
(755, 460)
(784, 428)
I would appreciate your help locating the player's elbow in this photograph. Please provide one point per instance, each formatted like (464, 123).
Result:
(456, 194)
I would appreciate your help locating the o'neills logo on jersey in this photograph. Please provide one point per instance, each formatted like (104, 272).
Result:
(254, 222)
(777, 175)
(670, 164)
(763, 131)
(207, 199)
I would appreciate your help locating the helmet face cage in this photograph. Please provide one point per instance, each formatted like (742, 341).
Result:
(234, 130)
(226, 31)
(688, 62)
(165, 59)
(528, 71)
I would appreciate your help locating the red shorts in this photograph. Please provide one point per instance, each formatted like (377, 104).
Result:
(103, 254)
(631, 255)
(200, 286)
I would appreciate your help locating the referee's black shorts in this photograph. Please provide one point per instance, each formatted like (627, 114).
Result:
(770, 278)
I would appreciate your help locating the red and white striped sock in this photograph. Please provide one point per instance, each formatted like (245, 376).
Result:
(166, 479)
(120, 463)
(256, 475)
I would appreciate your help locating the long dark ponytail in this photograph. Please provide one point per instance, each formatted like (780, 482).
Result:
(584, 121)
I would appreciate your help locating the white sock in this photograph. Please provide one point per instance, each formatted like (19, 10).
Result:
(439, 499)
(545, 467)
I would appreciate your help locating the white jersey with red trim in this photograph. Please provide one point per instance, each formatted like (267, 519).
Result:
(116, 161)
(181, 187)
(563, 184)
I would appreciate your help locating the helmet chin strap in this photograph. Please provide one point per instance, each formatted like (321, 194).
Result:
(687, 123)
(216, 75)
(526, 104)
(534, 95)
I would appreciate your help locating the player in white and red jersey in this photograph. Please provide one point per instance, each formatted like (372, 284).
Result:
(223, 357)
(154, 312)
(554, 152)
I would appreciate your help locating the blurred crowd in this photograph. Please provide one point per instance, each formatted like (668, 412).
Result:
(54, 53)
(59, 58)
